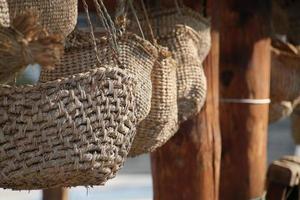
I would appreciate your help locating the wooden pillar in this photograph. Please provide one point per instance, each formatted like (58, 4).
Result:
(187, 167)
(55, 194)
(245, 79)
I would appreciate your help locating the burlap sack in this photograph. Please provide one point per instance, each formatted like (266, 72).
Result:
(4, 14)
(73, 131)
(57, 16)
(162, 122)
(136, 55)
(187, 35)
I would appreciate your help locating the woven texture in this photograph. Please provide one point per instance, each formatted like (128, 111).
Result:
(4, 14)
(162, 121)
(137, 56)
(187, 35)
(69, 132)
(57, 16)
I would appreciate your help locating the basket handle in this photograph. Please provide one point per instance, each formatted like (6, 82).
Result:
(108, 25)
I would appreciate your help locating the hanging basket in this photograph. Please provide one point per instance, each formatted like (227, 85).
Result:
(136, 55)
(187, 35)
(57, 16)
(285, 80)
(280, 110)
(285, 73)
(4, 14)
(67, 132)
(162, 122)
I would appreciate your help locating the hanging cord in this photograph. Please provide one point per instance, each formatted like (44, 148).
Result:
(136, 18)
(86, 8)
(121, 16)
(178, 6)
(148, 22)
(107, 23)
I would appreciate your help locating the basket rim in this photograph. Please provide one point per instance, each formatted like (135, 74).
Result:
(104, 41)
(63, 80)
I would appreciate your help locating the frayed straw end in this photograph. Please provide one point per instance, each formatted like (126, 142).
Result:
(24, 43)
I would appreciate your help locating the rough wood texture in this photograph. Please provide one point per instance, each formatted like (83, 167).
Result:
(245, 73)
(283, 178)
(55, 194)
(187, 167)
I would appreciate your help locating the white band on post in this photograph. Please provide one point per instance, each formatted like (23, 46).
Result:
(246, 101)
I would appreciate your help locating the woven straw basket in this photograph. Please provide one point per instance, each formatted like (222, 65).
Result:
(162, 121)
(4, 15)
(285, 80)
(57, 16)
(68, 132)
(285, 75)
(187, 35)
(136, 55)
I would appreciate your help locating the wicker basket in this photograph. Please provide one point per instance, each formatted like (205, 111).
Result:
(4, 15)
(57, 16)
(285, 80)
(137, 56)
(187, 35)
(67, 132)
(162, 122)
(285, 75)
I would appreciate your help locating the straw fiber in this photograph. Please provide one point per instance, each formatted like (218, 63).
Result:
(24, 43)
(57, 16)
(68, 132)
(136, 56)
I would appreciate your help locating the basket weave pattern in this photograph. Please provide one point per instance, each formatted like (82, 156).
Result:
(57, 16)
(68, 132)
(136, 55)
(162, 121)
(4, 14)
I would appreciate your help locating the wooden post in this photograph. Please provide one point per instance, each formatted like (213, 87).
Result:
(245, 74)
(187, 167)
(55, 194)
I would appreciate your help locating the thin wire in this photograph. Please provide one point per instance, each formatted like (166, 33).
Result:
(86, 8)
(136, 18)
